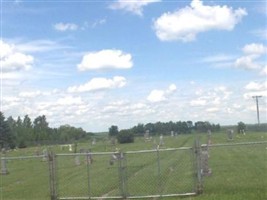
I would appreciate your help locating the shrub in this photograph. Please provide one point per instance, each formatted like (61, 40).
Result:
(125, 136)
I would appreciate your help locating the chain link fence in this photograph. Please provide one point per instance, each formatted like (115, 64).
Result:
(24, 178)
(219, 169)
(134, 174)
(237, 170)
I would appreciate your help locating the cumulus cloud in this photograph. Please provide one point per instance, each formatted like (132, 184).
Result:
(65, 27)
(31, 94)
(133, 6)
(254, 48)
(256, 86)
(198, 102)
(250, 61)
(156, 96)
(184, 24)
(99, 84)
(13, 60)
(247, 62)
(69, 100)
(106, 59)
(161, 95)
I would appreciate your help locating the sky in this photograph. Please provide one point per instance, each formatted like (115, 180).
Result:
(93, 64)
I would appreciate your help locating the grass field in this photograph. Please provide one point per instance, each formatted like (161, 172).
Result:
(238, 172)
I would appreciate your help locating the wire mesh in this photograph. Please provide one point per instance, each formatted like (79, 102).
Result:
(130, 174)
(24, 173)
(238, 170)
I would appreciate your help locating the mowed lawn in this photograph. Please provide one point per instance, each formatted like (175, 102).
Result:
(238, 172)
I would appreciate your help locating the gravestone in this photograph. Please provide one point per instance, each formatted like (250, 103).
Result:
(230, 134)
(116, 156)
(172, 133)
(70, 147)
(205, 170)
(146, 136)
(113, 141)
(45, 155)
(209, 138)
(4, 170)
(94, 142)
(89, 158)
(161, 142)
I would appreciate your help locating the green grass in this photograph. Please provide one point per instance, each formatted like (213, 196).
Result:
(238, 172)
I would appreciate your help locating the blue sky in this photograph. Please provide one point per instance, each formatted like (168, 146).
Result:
(93, 64)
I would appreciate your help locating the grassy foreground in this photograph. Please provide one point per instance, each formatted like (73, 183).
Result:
(238, 172)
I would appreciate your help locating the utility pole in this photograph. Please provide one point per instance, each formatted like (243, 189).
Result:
(257, 104)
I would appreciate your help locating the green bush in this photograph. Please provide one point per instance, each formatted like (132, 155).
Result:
(125, 136)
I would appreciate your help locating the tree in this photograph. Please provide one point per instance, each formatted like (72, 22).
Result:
(125, 136)
(6, 139)
(113, 131)
(241, 126)
(41, 128)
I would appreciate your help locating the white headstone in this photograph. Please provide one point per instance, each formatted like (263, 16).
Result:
(230, 134)
(161, 142)
(45, 155)
(70, 147)
(172, 133)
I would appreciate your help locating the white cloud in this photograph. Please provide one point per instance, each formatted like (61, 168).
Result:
(30, 94)
(99, 22)
(40, 46)
(69, 100)
(186, 23)
(218, 58)
(12, 60)
(198, 102)
(256, 86)
(133, 6)
(254, 48)
(172, 88)
(253, 53)
(106, 59)
(264, 71)
(156, 96)
(161, 95)
(99, 84)
(261, 33)
(212, 109)
(65, 27)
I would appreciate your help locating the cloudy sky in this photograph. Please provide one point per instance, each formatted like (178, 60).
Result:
(92, 64)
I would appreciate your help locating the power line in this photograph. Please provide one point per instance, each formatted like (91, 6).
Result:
(257, 104)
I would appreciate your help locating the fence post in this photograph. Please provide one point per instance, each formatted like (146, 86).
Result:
(4, 170)
(199, 186)
(52, 175)
(159, 172)
(121, 169)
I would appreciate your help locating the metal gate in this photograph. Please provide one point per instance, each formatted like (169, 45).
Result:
(132, 174)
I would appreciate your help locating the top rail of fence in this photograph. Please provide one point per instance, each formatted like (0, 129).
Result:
(20, 157)
(236, 144)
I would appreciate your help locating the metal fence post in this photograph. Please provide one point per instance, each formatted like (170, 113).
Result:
(199, 186)
(88, 173)
(159, 173)
(122, 178)
(52, 175)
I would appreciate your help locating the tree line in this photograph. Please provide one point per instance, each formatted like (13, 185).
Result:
(161, 128)
(23, 132)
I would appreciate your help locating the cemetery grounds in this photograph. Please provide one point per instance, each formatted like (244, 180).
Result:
(239, 172)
